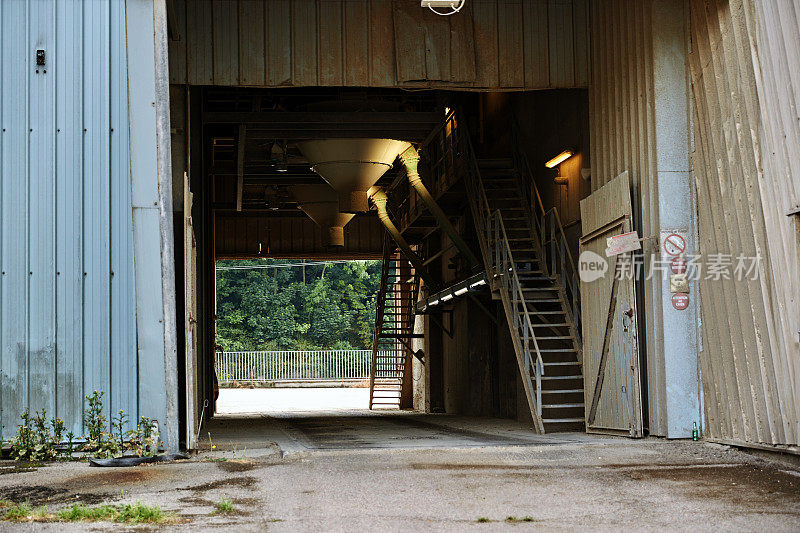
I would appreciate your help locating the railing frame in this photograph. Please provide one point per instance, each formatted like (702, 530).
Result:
(275, 366)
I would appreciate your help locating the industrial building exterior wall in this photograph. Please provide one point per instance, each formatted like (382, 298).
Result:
(491, 44)
(638, 115)
(84, 195)
(68, 313)
(747, 92)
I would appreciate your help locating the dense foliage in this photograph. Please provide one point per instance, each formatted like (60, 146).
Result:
(275, 306)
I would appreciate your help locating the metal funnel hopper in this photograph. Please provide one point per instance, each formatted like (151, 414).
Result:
(351, 166)
(321, 205)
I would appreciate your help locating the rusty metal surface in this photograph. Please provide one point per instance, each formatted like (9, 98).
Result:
(491, 44)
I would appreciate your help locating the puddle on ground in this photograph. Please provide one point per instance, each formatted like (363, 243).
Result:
(39, 495)
(244, 482)
(235, 465)
(16, 467)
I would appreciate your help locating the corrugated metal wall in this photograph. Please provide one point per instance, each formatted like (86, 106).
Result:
(746, 86)
(622, 128)
(491, 44)
(68, 308)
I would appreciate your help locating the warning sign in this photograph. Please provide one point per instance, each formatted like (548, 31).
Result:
(674, 244)
(680, 301)
(678, 265)
(626, 242)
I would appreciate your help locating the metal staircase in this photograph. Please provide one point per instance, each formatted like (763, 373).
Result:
(531, 270)
(394, 330)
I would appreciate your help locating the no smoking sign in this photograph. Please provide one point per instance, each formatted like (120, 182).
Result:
(674, 244)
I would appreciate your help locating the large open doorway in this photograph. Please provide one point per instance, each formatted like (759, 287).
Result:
(463, 340)
(294, 335)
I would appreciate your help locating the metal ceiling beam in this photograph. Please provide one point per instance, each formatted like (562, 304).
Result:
(411, 126)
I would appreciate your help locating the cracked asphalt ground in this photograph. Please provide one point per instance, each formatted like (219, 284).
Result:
(400, 471)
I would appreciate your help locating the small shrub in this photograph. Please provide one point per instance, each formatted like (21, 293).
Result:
(483, 520)
(145, 439)
(34, 440)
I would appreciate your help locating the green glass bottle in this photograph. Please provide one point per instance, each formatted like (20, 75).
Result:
(695, 433)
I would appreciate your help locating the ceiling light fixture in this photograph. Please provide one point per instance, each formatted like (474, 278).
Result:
(454, 5)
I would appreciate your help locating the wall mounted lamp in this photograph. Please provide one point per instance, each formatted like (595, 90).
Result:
(560, 158)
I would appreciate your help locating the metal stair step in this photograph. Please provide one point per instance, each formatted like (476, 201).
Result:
(562, 363)
(561, 420)
(561, 405)
(562, 391)
(562, 378)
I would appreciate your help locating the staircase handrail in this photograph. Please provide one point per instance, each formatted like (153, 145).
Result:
(379, 311)
(498, 261)
(556, 259)
(513, 299)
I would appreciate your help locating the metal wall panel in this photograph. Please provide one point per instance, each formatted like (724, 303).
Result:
(746, 89)
(622, 131)
(639, 123)
(491, 44)
(67, 302)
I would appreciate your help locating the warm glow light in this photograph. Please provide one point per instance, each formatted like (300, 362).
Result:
(560, 158)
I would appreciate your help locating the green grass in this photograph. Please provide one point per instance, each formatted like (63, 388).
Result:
(224, 506)
(523, 519)
(23, 512)
(78, 513)
(137, 513)
(483, 520)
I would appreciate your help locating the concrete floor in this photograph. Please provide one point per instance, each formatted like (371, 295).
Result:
(360, 470)
(232, 401)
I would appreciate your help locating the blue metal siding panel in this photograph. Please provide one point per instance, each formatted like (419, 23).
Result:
(67, 300)
(41, 209)
(69, 212)
(123, 330)
(14, 327)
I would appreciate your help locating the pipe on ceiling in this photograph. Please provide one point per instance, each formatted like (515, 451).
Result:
(410, 159)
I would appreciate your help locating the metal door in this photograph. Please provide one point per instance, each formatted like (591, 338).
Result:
(612, 387)
(190, 312)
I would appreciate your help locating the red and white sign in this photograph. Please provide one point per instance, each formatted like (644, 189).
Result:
(678, 265)
(625, 242)
(680, 301)
(674, 244)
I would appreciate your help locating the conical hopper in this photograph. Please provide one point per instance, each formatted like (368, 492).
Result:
(351, 166)
(321, 205)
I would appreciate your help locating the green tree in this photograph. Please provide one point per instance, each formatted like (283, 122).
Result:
(264, 304)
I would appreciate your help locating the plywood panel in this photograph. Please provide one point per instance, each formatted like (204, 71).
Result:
(356, 43)
(490, 44)
(279, 43)
(252, 42)
(331, 35)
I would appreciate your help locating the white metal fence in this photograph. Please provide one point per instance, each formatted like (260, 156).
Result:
(306, 365)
